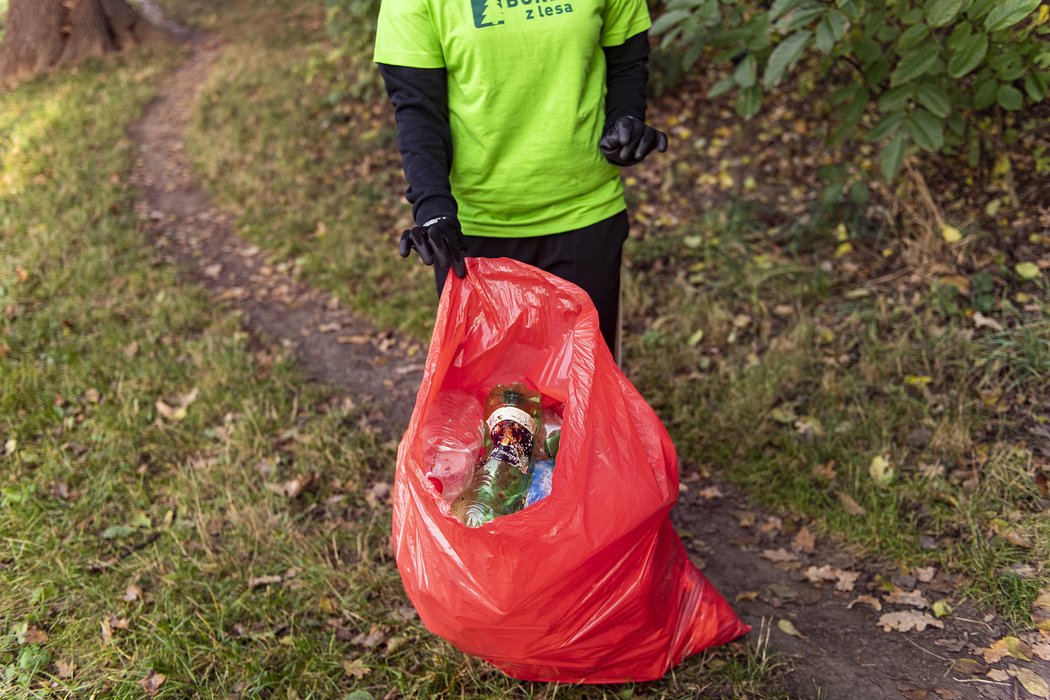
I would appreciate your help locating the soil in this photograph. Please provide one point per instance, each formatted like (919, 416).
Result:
(841, 652)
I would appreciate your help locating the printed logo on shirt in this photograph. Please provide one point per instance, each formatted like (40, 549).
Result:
(490, 13)
(487, 13)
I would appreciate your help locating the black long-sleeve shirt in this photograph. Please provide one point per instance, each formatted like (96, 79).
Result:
(424, 137)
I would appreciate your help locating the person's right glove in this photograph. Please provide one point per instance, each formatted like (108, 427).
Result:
(438, 239)
(629, 140)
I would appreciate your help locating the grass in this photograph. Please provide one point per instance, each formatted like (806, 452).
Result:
(734, 330)
(145, 439)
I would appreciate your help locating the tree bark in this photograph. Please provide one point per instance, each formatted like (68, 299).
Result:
(45, 33)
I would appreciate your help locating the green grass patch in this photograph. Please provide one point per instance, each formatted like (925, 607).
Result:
(766, 370)
(149, 451)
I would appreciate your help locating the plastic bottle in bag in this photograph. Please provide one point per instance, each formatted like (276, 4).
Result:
(453, 435)
(541, 476)
(499, 483)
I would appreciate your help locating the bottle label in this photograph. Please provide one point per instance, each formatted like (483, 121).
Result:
(512, 431)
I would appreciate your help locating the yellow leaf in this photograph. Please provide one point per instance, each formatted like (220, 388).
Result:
(950, 234)
(1027, 270)
(917, 380)
(1034, 684)
(941, 608)
(841, 233)
(880, 470)
(788, 627)
(843, 249)
(1044, 14)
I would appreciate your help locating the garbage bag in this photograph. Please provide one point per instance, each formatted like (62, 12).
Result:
(591, 584)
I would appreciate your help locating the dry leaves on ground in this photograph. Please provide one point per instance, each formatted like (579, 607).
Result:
(152, 682)
(915, 599)
(1007, 646)
(804, 541)
(874, 602)
(844, 580)
(356, 668)
(778, 555)
(788, 627)
(907, 621)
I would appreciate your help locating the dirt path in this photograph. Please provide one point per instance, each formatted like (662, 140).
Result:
(841, 653)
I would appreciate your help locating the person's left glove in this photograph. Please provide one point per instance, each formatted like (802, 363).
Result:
(438, 239)
(628, 141)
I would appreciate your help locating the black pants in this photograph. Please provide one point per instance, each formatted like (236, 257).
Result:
(589, 257)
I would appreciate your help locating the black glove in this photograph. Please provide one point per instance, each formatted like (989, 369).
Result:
(438, 239)
(628, 141)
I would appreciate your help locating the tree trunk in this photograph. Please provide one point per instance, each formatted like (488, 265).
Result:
(45, 33)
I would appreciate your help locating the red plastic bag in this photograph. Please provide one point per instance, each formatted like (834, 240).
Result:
(590, 584)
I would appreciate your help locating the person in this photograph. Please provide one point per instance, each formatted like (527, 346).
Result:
(514, 118)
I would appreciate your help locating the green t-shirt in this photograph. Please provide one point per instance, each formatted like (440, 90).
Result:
(526, 94)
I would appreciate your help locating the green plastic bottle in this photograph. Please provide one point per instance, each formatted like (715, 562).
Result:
(500, 482)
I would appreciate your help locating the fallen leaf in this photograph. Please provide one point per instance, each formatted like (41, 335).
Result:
(925, 574)
(941, 608)
(1034, 684)
(968, 667)
(21, 274)
(999, 675)
(393, 644)
(371, 639)
(825, 471)
(167, 412)
(804, 541)
(1027, 270)
(132, 594)
(65, 669)
(33, 635)
(946, 694)
(772, 525)
(880, 470)
(1007, 646)
(982, 321)
(213, 271)
(152, 682)
(915, 599)
(850, 506)
(10, 446)
(1042, 650)
(778, 555)
(911, 691)
(950, 234)
(710, 493)
(874, 602)
(745, 518)
(844, 580)
(788, 627)
(746, 596)
(907, 620)
(291, 488)
(809, 427)
(356, 668)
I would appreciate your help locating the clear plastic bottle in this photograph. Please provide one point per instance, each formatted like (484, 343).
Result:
(453, 436)
(500, 482)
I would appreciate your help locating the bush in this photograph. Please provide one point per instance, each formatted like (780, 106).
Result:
(352, 23)
(926, 67)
